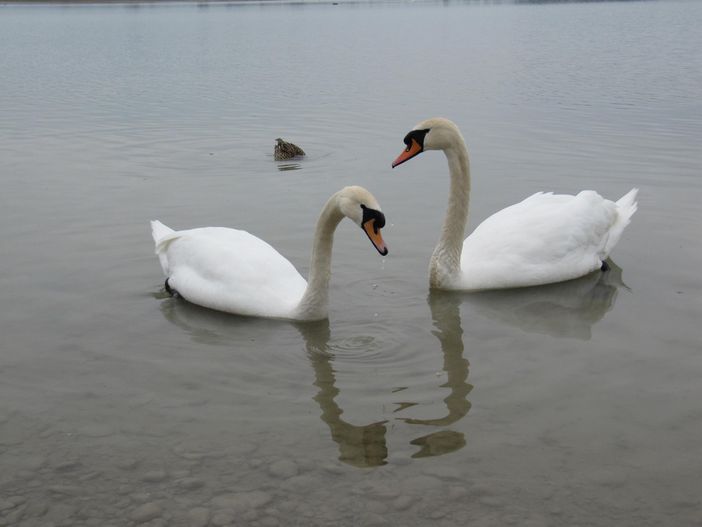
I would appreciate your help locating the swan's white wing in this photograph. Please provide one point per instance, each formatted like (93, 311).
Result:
(545, 238)
(231, 270)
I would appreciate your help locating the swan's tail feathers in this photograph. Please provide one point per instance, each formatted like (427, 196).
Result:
(161, 235)
(626, 206)
(159, 231)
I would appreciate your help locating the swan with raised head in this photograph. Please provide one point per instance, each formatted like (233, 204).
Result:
(544, 239)
(233, 271)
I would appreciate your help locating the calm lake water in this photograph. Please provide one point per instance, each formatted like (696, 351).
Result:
(572, 404)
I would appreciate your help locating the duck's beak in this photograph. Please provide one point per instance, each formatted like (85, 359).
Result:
(413, 149)
(375, 237)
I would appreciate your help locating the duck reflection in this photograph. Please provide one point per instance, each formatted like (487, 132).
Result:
(566, 309)
(284, 167)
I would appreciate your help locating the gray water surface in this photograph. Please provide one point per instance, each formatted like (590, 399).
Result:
(571, 404)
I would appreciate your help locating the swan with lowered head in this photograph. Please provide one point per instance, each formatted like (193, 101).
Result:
(233, 271)
(544, 239)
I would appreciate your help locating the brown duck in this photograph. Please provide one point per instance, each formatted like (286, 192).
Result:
(284, 150)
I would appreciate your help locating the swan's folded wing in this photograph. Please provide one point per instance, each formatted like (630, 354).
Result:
(232, 270)
(545, 238)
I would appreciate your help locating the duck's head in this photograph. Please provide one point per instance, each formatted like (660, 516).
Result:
(436, 133)
(361, 207)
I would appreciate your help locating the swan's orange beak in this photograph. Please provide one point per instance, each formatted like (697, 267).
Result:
(408, 153)
(375, 237)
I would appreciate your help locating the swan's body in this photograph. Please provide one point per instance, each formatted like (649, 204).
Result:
(544, 239)
(233, 271)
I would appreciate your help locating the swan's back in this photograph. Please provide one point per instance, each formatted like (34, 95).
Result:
(545, 238)
(230, 270)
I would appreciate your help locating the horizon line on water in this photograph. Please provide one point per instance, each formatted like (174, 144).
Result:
(304, 2)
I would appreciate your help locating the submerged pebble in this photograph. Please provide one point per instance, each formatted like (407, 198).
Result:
(375, 520)
(96, 430)
(70, 490)
(154, 476)
(127, 463)
(146, 512)
(283, 468)
(13, 516)
(419, 484)
(198, 517)
(68, 466)
(222, 518)
(242, 501)
(269, 521)
(190, 483)
(402, 503)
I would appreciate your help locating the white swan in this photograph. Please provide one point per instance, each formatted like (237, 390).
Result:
(545, 238)
(233, 271)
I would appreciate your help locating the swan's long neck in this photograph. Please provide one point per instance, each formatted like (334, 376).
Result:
(446, 260)
(315, 301)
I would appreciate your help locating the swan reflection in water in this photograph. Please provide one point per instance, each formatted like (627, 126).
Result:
(566, 309)
(366, 446)
(446, 317)
(359, 445)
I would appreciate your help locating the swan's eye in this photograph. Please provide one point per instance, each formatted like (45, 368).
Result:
(375, 215)
(380, 221)
(416, 135)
